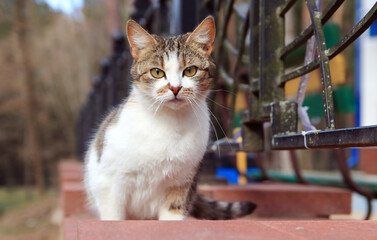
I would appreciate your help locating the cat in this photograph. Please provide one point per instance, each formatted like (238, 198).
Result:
(144, 158)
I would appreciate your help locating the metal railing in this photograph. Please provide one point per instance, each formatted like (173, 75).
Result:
(263, 55)
(108, 90)
(267, 78)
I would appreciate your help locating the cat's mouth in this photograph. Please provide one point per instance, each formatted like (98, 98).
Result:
(176, 103)
(176, 100)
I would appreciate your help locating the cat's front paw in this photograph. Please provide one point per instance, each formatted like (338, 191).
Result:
(171, 216)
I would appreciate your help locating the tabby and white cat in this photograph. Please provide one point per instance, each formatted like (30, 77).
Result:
(143, 161)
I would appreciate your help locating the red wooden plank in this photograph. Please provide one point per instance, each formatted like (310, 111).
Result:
(215, 230)
(285, 199)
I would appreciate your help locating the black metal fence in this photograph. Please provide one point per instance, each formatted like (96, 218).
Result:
(264, 55)
(109, 88)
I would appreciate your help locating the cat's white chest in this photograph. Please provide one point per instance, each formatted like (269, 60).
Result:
(143, 138)
(149, 154)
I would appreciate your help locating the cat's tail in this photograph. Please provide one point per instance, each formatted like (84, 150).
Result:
(206, 208)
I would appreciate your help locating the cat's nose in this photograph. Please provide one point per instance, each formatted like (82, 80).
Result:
(175, 90)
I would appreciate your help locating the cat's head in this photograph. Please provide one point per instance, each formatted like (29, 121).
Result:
(176, 71)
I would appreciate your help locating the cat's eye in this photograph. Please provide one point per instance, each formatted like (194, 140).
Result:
(157, 73)
(190, 71)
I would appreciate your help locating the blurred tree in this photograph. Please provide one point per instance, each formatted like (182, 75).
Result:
(6, 9)
(22, 23)
(62, 56)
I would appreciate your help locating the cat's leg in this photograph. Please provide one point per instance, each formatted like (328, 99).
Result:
(111, 201)
(176, 204)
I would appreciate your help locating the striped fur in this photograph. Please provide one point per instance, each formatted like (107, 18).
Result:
(203, 207)
(144, 159)
(206, 208)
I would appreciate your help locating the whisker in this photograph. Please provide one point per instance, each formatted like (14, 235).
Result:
(161, 102)
(215, 102)
(213, 115)
(154, 103)
(213, 126)
(194, 110)
(219, 90)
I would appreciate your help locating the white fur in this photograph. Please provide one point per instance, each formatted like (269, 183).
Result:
(156, 144)
(173, 73)
(202, 36)
(141, 39)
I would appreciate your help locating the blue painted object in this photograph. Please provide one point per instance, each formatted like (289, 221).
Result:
(373, 29)
(231, 174)
(355, 153)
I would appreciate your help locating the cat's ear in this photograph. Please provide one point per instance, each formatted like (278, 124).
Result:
(139, 39)
(204, 35)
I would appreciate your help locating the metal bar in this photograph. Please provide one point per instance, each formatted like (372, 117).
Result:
(140, 7)
(204, 3)
(187, 15)
(254, 67)
(284, 9)
(239, 13)
(230, 49)
(307, 33)
(324, 64)
(254, 85)
(360, 27)
(347, 179)
(309, 57)
(262, 44)
(163, 17)
(338, 138)
(204, 8)
(254, 44)
(260, 164)
(218, 5)
(235, 86)
(145, 21)
(229, 80)
(355, 32)
(351, 36)
(271, 39)
(218, 55)
(300, 71)
(296, 168)
(330, 10)
(223, 33)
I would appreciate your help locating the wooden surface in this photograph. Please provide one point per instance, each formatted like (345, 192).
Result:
(216, 230)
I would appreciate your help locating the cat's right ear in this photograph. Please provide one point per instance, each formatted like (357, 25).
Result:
(139, 39)
(204, 35)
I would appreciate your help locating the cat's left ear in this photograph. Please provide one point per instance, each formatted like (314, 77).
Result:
(139, 39)
(204, 35)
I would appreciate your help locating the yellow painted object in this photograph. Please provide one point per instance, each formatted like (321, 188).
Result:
(241, 101)
(338, 76)
(241, 159)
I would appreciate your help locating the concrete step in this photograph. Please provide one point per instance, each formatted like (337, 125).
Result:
(273, 199)
(214, 230)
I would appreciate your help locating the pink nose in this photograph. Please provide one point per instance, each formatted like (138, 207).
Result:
(175, 90)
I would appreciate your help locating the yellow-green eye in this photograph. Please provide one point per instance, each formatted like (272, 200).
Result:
(190, 71)
(157, 73)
